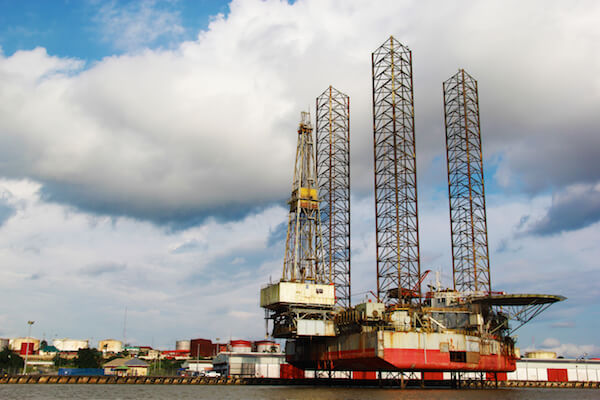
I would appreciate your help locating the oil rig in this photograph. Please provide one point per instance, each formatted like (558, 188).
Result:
(403, 329)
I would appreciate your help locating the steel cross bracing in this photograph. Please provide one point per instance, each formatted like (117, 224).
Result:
(470, 257)
(520, 314)
(396, 216)
(333, 172)
(303, 247)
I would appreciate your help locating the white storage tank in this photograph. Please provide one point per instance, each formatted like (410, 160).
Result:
(15, 344)
(267, 346)
(70, 344)
(182, 345)
(110, 346)
(541, 354)
(241, 346)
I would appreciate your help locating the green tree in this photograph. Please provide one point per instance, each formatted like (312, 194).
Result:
(166, 367)
(10, 361)
(61, 362)
(88, 358)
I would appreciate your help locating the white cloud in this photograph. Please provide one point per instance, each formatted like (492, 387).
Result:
(85, 270)
(137, 24)
(208, 126)
(570, 350)
(27, 70)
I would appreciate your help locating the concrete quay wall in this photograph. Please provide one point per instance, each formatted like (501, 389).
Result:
(185, 380)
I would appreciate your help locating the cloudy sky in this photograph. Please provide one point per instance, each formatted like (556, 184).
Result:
(146, 154)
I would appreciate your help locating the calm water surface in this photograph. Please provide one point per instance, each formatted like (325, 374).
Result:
(276, 392)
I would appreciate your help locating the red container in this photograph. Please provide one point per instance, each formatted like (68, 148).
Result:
(26, 348)
(501, 376)
(557, 375)
(364, 374)
(433, 376)
(288, 371)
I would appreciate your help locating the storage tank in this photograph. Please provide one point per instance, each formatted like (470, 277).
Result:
(110, 346)
(541, 354)
(4, 343)
(241, 346)
(267, 346)
(15, 344)
(202, 348)
(70, 344)
(182, 345)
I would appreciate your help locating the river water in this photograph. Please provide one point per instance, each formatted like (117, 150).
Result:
(145, 392)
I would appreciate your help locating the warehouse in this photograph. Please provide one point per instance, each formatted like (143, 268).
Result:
(241, 361)
(556, 370)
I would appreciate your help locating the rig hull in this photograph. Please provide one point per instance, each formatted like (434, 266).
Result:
(384, 350)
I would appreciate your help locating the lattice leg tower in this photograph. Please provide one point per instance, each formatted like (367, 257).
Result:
(333, 172)
(396, 214)
(468, 222)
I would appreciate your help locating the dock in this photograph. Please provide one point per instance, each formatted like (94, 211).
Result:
(334, 382)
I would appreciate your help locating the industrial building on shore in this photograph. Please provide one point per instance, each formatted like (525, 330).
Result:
(265, 359)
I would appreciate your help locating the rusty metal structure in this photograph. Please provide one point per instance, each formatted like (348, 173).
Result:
(304, 244)
(466, 193)
(333, 173)
(465, 330)
(396, 214)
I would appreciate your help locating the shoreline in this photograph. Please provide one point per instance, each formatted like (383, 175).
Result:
(335, 382)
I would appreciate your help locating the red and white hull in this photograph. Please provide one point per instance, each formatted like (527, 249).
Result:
(383, 350)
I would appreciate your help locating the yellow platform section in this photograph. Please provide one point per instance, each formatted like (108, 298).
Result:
(307, 193)
(310, 294)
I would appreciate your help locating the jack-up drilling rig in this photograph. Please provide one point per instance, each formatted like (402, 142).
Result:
(461, 329)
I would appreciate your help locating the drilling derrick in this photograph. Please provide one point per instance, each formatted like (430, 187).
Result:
(333, 172)
(396, 220)
(301, 303)
(303, 246)
(468, 223)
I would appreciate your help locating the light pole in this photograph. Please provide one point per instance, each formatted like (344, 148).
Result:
(27, 345)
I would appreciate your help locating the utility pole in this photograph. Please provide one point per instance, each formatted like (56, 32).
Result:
(125, 328)
(27, 345)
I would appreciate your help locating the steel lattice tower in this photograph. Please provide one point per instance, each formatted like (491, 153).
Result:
(303, 248)
(396, 220)
(468, 223)
(333, 172)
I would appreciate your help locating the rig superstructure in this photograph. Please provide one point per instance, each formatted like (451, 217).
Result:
(465, 328)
